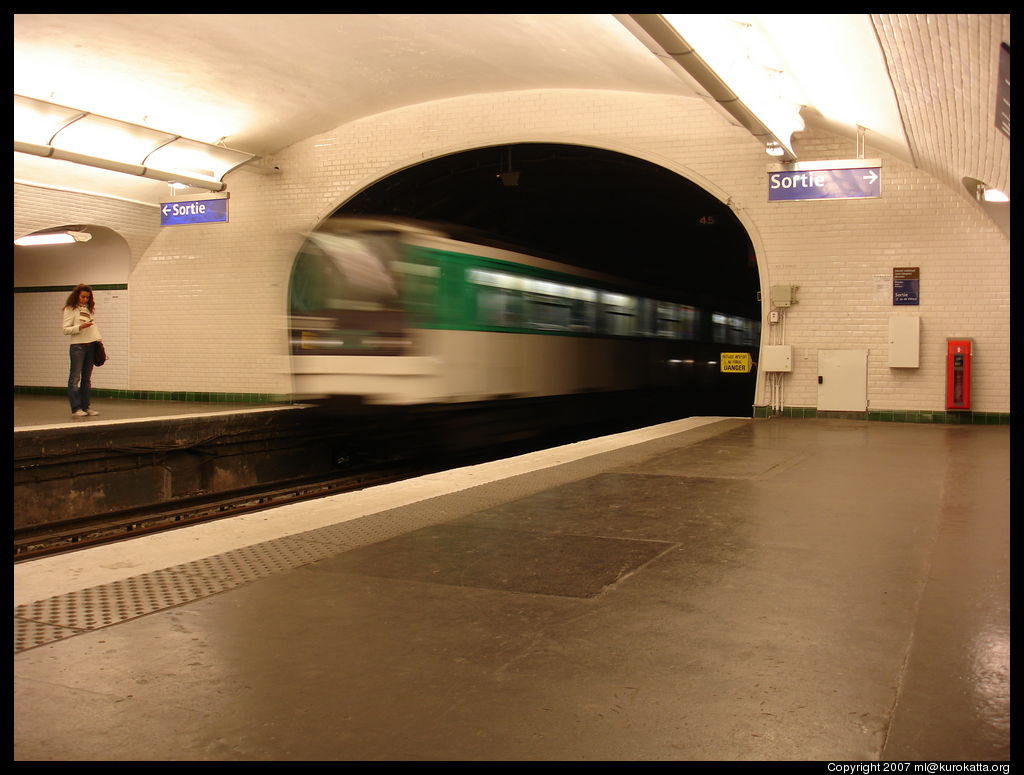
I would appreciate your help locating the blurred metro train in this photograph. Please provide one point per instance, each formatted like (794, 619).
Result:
(397, 312)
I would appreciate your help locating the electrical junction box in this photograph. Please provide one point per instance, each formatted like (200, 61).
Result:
(784, 295)
(777, 357)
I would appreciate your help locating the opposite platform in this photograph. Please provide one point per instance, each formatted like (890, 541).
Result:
(703, 590)
(37, 412)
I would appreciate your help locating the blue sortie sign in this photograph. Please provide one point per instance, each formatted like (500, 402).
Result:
(200, 211)
(795, 185)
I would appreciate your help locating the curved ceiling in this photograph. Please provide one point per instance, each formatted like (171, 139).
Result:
(260, 82)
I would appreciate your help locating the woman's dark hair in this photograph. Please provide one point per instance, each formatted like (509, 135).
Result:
(72, 301)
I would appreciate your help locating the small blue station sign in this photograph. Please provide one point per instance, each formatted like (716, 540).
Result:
(841, 181)
(196, 211)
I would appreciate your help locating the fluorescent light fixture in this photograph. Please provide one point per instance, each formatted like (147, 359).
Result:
(774, 149)
(59, 132)
(775, 72)
(37, 122)
(846, 80)
(106, 138)
(992, 201)
(985, 193)
(53, 238)
(196, 159)
(738, 52)
(60, 238)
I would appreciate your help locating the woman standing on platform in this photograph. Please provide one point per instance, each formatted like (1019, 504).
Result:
(80, 325)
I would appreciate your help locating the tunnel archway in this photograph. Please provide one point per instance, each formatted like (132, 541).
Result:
(601, 210)
(586, 206)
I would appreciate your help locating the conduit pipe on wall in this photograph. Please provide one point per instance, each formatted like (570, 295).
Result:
(48, 151)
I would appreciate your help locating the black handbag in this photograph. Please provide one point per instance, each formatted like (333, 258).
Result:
(99, 355)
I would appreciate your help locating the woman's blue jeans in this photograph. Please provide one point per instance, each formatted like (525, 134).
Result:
(80, 378)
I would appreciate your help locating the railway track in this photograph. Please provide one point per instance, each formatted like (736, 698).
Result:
(473, 438)
(68, 536)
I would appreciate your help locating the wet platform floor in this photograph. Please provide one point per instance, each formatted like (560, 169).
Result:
(716, 589)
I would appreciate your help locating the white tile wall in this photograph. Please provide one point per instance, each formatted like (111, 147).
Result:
(38, 208)
(208, 303)
(40, 348)
(841, 254)
(944, 68)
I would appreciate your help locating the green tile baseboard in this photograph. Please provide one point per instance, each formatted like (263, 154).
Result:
(892, 415)
(165, 395)
(69, 288)
(759, 412)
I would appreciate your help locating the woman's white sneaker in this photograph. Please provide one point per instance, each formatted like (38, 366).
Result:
(79, 413)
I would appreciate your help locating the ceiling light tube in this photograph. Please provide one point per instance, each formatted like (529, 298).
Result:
(53, 238)
(116, 166)
(994, 195)
(59, 238)
(665, 40)
(59, 132)
(95, 161)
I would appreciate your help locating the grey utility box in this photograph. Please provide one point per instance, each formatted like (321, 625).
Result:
(904, 342)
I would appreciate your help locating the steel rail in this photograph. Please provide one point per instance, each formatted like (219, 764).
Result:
(33, 543)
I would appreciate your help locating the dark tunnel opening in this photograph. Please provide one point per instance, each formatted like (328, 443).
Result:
(589, 207)
(607, 212)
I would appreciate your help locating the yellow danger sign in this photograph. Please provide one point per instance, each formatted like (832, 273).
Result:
(736, 363)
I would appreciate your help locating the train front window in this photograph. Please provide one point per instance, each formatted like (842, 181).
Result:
(366, 281)
(344, 298)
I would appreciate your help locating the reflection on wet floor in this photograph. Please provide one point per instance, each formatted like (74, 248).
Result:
(755, 590)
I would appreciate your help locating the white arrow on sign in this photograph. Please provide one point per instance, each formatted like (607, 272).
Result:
(873, 177)
(164, 210)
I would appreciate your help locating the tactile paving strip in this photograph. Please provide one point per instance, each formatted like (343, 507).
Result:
(74, 613)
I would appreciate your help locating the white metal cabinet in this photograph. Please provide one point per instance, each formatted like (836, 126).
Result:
(843, 380)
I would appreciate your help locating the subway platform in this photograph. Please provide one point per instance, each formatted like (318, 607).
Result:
(708, 589)
(37, 411)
